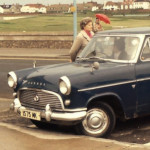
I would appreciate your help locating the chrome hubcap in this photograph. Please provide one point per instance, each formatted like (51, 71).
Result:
(96, 121)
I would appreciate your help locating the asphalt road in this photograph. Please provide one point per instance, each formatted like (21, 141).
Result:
(133, 131)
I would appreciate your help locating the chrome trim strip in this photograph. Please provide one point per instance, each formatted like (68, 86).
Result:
(144, 79)
(74, 110)
(59, 97)
(109, 85)
(104, 86)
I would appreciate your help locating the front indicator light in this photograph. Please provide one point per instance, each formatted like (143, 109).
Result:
(67, 102)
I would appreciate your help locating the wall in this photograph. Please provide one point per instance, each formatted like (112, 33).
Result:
(52, 40)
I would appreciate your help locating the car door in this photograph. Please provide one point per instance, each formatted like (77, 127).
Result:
(143, 79)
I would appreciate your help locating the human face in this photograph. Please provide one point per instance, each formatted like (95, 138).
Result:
(97, 20)
(89, 27)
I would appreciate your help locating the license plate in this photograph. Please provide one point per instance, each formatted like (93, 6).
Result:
(31, 114)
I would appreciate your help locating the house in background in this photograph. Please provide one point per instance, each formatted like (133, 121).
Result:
(42, 10)
(89, 6)
(144, 4)
(111, 5)
(5, 8)
(81, 7)
(1, 10)
(15, 8)
(64, 8)
(127, 4)
(58, 8)
(33, 8)
(135, 4)
(26, 9)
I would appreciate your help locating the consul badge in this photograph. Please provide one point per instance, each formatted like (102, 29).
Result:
(36, 98)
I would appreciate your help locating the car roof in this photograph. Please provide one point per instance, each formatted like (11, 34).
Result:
(138, 30)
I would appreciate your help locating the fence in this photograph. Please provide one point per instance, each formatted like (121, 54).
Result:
(51, 40)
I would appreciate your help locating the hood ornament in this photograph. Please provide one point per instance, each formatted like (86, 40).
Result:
(36, 98)
(34, 63)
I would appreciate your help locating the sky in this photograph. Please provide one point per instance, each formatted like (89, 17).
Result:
(49, 2)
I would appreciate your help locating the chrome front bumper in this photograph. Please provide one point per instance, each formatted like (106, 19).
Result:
(49, 115)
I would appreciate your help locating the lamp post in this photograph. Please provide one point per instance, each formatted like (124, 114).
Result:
(74, 19)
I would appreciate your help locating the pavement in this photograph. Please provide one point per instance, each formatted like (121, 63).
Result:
(20, 53)
(16, 138)
(34, 53)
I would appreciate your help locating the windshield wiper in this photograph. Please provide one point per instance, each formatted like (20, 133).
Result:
(95, 57)
(90, 58)
(81, 58)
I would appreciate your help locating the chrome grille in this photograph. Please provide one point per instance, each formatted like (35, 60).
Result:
(27, 99)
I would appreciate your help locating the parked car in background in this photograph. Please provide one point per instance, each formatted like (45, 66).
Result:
(109, 80)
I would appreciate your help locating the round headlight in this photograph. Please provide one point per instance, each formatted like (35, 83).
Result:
(12, 79)
(65, 85)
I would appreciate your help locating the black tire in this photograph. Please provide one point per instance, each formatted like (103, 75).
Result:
(41, 125)
(99, 121)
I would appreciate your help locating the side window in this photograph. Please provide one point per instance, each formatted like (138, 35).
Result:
(146, 51)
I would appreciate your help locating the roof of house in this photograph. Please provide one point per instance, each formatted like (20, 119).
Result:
(35, 5)
(110, 3)
(58, 5)
(6, 6)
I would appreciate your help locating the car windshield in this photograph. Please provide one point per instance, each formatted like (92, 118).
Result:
(111, 48)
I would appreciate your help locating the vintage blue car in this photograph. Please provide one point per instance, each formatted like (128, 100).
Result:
(110, 79)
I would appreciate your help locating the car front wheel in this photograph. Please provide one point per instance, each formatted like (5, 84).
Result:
(99, 121)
